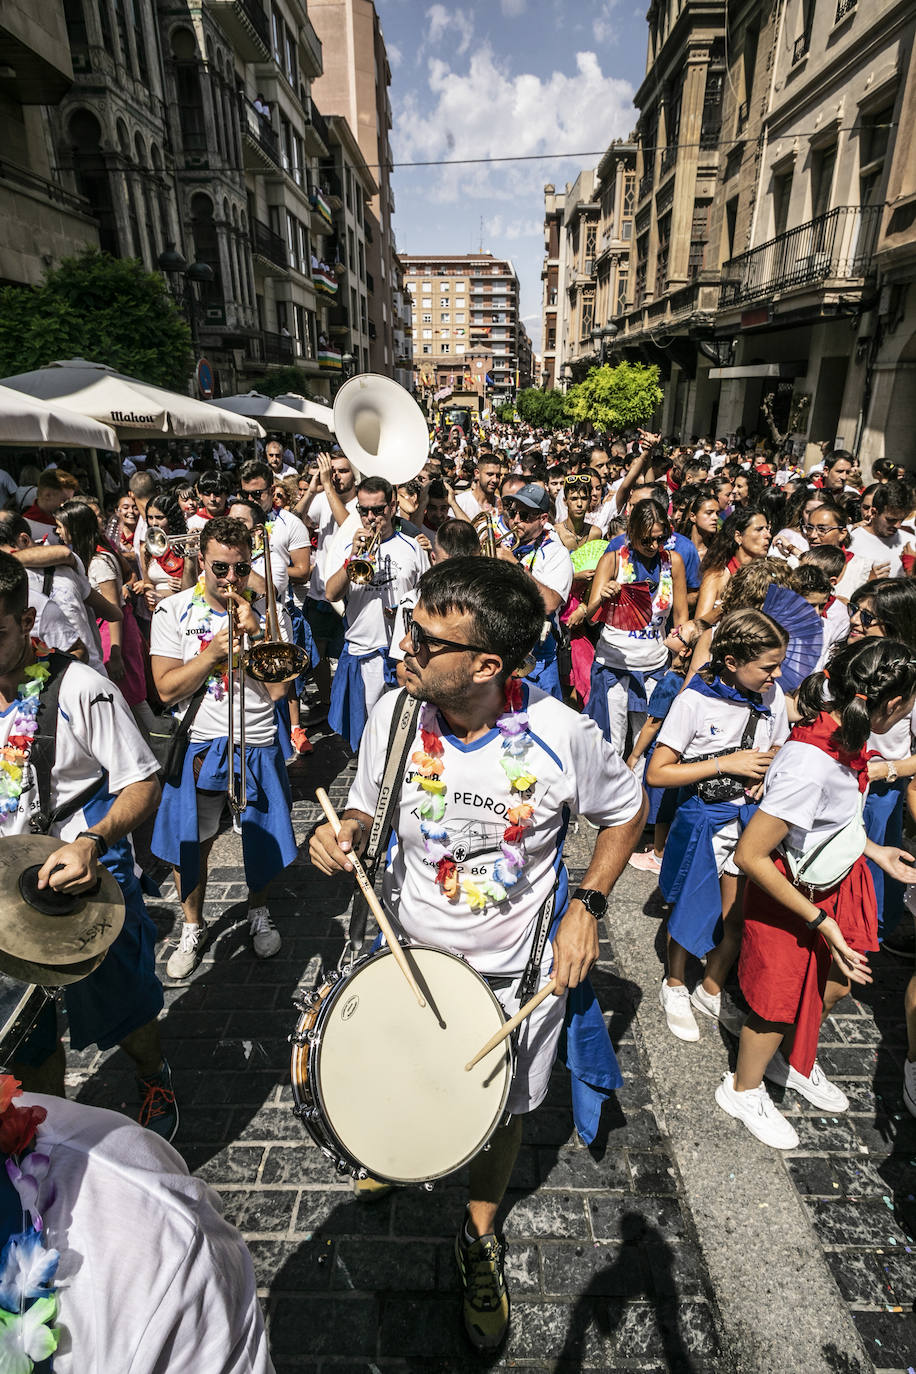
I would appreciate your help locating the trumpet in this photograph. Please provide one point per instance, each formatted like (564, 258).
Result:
(157, 542)
(274, 660)
(361, 570)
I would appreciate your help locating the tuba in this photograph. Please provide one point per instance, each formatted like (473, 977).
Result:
(274, 660)
(380, 428)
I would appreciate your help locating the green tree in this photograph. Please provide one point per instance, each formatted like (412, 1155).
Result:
(108, 310)
(620, 397)
(541, 409)
(285, 381)
(506, 414)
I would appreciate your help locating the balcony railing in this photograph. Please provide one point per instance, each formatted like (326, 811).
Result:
(259, 129)
(800, 50)
(836, 246)
(266, 347)
(669, 157)
(268, 244)
(645, 186)
(318, 123)
(843, 8)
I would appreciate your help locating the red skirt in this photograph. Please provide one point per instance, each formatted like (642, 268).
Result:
(783, 967)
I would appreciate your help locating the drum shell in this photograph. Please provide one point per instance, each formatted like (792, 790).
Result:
(310, 1103)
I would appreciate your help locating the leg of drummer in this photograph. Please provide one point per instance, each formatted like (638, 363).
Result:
(489, 1176)
(479, 1251)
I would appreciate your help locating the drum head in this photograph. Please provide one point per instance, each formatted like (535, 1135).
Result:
(391, 1080)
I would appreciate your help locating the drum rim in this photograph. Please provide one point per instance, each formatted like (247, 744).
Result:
(336, 1149)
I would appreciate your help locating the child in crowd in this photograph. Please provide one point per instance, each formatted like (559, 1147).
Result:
(662, 800)
(717, 742)
(831, 561)
(810, 912)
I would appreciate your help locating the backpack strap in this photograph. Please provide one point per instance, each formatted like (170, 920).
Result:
(43, 751)
(47, 582)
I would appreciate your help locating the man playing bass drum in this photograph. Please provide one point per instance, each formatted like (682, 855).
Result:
(497, 760)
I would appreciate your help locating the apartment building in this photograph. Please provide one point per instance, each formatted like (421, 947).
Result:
(464, 302)
(553, 275)
(354, 84)
(43, 218)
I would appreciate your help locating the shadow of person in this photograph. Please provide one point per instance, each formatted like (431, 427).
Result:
(635, 1303)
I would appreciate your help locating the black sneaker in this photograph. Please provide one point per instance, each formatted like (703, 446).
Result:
(158, 1108)
(486, 1297)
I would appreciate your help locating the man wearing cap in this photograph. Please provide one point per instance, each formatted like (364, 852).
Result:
(538, 550)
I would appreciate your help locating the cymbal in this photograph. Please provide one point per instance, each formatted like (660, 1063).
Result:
(50, 928)
(48, 975)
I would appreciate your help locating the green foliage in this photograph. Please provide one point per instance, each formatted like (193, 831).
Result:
(542, 409)
(506, 414)
(284, 381)
(616, 398)
(107, 310)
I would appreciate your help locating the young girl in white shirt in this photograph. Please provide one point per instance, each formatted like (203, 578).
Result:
(807, 937)
(717, 742)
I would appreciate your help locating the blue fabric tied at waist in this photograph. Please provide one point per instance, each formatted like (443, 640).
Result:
(603, 679)
(689, 878)
(348, 713)
(268, 843)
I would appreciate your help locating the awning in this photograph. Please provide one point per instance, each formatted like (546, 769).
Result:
(758, 370)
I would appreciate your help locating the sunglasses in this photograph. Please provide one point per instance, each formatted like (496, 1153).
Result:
(866, 618)
(220, 569)
(422, 639)
(578, 479)
(372, 510)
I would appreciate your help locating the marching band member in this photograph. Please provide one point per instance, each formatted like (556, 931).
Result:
(189, 649)
(498, 758)
(546, 560)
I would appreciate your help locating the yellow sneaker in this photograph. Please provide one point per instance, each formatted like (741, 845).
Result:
(371, 1189)
(486, 1297)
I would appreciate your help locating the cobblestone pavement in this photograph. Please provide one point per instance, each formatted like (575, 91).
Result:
(603, 1264)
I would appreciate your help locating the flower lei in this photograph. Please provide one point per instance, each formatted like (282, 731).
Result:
(626, 572)
(28, 1303)
(14, 756)
(516, 764)
(218, 681)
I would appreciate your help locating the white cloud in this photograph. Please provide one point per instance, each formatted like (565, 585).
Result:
(498, 227)
(513, 8)
(605, 26)
(443, 22)
(395, 56)
(488, 112)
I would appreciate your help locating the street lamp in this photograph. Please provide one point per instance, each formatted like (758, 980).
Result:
(348, 363)
(185, 282)
(567, 375)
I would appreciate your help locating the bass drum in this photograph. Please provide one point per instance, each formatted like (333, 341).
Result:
(380, 1082)
(20, 1006)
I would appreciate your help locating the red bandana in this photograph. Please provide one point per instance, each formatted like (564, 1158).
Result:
(824, 734)
(732, 565)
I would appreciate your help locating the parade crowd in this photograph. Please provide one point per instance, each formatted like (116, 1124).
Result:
(705, 652)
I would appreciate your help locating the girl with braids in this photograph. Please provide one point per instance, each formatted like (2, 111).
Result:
(169, 572)
(717, 742)
(744, 537)
(809, 909)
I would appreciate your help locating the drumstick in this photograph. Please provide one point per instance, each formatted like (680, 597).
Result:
(513, 1021)
(375, 905)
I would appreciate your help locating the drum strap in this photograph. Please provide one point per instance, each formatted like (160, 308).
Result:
(531, 976)
(403, 729)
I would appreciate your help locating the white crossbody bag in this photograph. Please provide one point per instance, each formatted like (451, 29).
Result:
(826, 864)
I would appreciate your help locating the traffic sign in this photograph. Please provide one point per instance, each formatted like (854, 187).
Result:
(205, 379)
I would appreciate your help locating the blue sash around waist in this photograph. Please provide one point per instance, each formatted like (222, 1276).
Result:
(689, 878)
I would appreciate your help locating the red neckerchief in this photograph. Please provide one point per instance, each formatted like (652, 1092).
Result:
(827, 604)
(824, 734)
(202, 513)
(732, 565)
(38, 516)
(848, 555)
(171, 563)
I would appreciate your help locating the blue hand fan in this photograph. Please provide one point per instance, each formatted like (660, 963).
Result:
(805, 629)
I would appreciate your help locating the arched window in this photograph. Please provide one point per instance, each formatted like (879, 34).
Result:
(140, 41)
(105, 28)
(92, 177)
(190, 96)
(206, 247)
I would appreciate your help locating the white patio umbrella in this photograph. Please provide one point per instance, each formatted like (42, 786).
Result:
(135, 409)
(276, 414)
(26, 420)
(320, 417)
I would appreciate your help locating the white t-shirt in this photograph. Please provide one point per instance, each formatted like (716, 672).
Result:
(51, 625)
(186, 1303)
(468, 502)
(879, 550)
(855, 575)
(697, 725)
(551, 564)
(287, 534)
(836, 629)
(398, 568)
(176, 630)
(812, 792)
(196, 522)
(95, 731)
(399, 629)
(322, 517)
(68, 590)
(575, 769)
(104, 568)
(897, 742)
(641, 651)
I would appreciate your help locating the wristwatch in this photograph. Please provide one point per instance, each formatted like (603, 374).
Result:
(592, 900)
(101, 845)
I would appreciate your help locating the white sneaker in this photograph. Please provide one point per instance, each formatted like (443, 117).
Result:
(184, 960)
(758, 1112)
(265, 937)
(816, 1088)
(720, 1007)
(909, 1086)
(675, 1003)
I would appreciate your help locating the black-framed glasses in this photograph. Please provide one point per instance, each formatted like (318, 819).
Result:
(221, 569)
(255, 493)
(867, 618)
(371, 510)
(422, 639)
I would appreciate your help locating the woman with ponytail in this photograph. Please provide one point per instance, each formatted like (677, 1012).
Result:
(809, 908)
(717, 742)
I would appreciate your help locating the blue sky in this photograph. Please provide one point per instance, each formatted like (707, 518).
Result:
(496, 79)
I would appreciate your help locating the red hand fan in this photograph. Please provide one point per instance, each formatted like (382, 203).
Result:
(632, 610)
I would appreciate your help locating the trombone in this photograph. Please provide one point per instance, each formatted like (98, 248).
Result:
(236, 787)
(485, 526)
(361, 570)
(157, 542)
